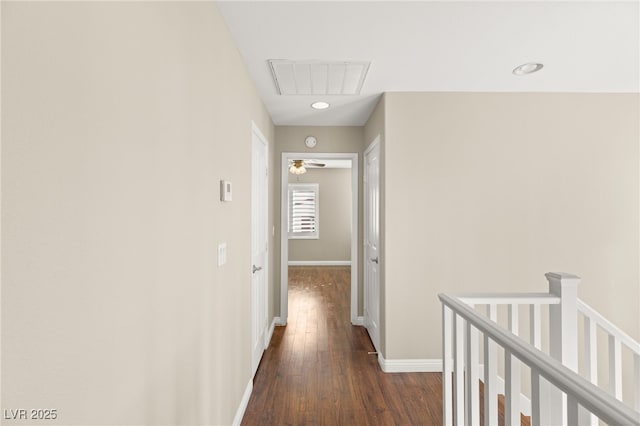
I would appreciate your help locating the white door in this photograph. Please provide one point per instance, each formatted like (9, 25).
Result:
(371, 242)
(259, 248)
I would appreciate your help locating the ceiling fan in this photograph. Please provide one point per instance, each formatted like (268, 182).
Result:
(298, 167)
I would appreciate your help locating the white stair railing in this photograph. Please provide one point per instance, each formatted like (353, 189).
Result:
(558, 394)
(618, 342)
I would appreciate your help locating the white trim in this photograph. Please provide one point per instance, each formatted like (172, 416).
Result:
(319, 263)
(243, 404)
(410, 365)
(284, 239)
(372, 145)
(358, 321)
(256, 130)
(355, 219)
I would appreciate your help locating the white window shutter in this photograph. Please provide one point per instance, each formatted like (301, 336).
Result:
(303, 211)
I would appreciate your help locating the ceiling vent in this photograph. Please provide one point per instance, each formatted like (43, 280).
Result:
(318, 77)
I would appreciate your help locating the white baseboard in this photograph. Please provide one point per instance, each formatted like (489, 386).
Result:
(358, 321)
(243, 404)
(247, 392)
(410, 365)
(319, 263)
(275, 321)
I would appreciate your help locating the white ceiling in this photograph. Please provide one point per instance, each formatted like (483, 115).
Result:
(437, 46)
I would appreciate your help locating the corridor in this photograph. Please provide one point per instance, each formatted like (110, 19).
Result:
(318, 369)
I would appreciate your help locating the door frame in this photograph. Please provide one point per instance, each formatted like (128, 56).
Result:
(257, 135)
(284, 219)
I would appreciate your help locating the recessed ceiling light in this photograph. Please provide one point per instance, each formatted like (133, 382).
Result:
(527, 68)
(320, 105)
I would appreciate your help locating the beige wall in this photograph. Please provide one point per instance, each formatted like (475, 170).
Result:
(487, 192)
(330, 140)
(119, 120)
(334, 242)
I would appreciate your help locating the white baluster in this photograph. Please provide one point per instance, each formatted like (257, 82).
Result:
(535, 397)
(512, 375)
(591, 350)
(534, 326)
(591, 365)
(511, 393)
(447, 367)
(458, 371)
(490, 375)
(572, 411)
(615, 367)
(514, 320)
(472, 376)
(636, 382)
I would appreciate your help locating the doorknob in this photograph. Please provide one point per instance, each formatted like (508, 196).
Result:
(374, 259)
(256, 269)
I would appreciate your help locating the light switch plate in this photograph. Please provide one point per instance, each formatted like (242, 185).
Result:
(222, 254)
(225, 190)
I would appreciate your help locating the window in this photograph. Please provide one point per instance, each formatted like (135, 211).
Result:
(303, 211)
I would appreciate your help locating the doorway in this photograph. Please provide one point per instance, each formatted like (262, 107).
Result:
(284, 241)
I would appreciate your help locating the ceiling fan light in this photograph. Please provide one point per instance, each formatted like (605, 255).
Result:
(297, 170)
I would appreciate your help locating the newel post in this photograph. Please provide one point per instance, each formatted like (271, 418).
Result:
(563, 338)
(563, 318)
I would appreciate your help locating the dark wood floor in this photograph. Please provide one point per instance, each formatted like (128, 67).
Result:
(317, 369)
